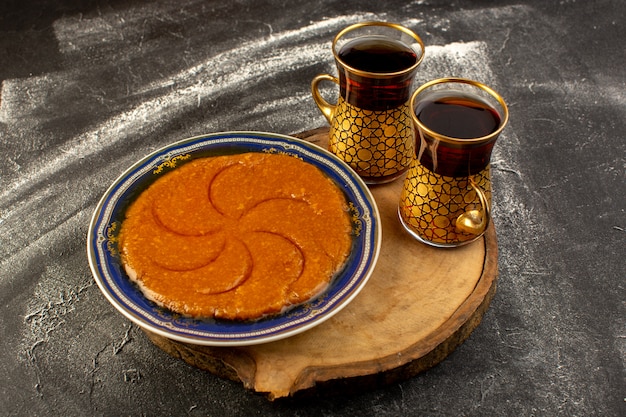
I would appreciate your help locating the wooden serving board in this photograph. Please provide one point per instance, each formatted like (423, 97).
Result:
(418, 306)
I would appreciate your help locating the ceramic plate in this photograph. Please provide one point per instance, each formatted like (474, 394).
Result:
(105, 263)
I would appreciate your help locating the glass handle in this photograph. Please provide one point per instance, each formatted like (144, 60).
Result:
(327, 109)
(475, 221)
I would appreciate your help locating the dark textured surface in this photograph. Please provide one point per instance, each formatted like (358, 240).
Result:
(90, 87)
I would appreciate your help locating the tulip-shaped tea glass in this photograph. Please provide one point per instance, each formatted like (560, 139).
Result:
(370, 125)
(446, 198)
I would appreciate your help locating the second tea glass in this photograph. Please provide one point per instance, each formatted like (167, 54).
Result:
(446, 197)
(370, 125)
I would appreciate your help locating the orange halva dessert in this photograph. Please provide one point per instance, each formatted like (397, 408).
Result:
(236, 237)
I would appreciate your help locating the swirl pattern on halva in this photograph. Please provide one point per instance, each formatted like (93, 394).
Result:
(236, 237)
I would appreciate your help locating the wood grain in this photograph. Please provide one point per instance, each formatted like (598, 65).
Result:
(419, 305)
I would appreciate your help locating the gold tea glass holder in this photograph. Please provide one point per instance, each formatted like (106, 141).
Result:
(446, 196)
(370, 125)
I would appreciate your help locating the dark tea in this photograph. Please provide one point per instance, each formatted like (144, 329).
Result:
(377, 54)
(459, 116)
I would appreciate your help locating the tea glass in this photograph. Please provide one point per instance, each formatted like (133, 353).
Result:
(370, 125)
(446, 197)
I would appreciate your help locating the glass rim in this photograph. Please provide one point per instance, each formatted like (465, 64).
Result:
(371, 74)
(450, 139)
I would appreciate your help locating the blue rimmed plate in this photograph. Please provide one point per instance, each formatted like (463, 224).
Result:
(109, 274)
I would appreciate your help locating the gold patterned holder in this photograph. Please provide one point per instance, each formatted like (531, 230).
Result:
(445, 211)
(379, 145)
(370, 125)
(446, 197)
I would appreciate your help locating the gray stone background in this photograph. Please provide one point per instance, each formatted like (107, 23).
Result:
(89, 87)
